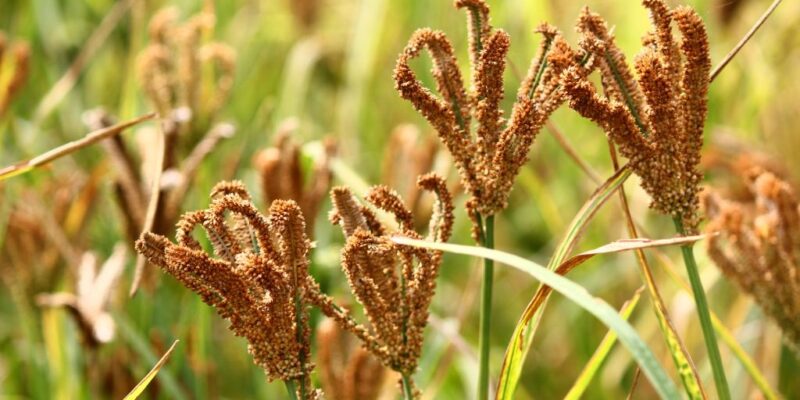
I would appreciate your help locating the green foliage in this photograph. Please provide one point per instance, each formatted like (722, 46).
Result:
(336, 79)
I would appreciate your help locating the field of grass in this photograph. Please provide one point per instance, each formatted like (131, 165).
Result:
(322, 70)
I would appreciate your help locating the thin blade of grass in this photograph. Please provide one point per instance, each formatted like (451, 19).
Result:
(142, 385)
(727, 337)
(141, 347)
(603, 350)
(599, 308)
(635, 384)
(743, 41)
(54, 343)
(521, 339)
(68, 148)
(572, 153)
(585, 214)
(680, 356)
(93, 43)
(625, 245)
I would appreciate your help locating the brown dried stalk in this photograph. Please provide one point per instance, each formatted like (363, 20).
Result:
(257, 277)
(657, 117)
(759, 245)
(282, 176)
(395, 284)
(347, 371)
(489, 160)
(14, 59)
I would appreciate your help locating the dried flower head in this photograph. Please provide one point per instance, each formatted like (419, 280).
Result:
(257, 277)
(489, 160)
(395, 284)
(758, 246)
(726, 159)
(282, 175)
(174, 70)
(14, 70)
(657, 118)
(89, 303)
(347, 370)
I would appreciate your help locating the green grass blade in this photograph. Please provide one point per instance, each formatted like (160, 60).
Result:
(601, 353)
(686, 370)
(747, 363)
(599, 308)
(704, 315)
(141, 347)
(680, 356)
(727, 337)
(142, 385)
(576, 227)
(522, 338)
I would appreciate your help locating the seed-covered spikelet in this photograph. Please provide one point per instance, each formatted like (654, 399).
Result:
(173, 68)
(15, 61)
(347, 370)
(758, 246)
(282, 175)
(257, 276)
(489, 160)
(395, 284)
(657, 118)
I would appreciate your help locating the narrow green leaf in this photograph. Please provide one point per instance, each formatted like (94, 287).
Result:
(142, 385)
(680, 356)
(141, 347)
(522, 338)
(599, 308)
(602, 351)
(585, 214)
(727, 337)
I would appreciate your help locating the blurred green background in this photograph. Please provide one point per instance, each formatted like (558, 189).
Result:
(335, 76)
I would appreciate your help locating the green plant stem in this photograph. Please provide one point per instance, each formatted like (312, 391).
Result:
(487, 240)
(723, 392)
(291, 389)
(298, 309)
(408, 388)
(787, 372)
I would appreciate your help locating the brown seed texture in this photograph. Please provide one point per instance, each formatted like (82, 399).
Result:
(758, 244)
(657, 117)
(394, 284)
(489, 159)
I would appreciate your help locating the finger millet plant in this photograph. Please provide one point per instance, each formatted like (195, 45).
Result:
(374, 303)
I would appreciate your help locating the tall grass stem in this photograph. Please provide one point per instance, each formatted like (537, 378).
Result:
(487, 240)
(408, 390)
(291, 389)
(721, 382)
